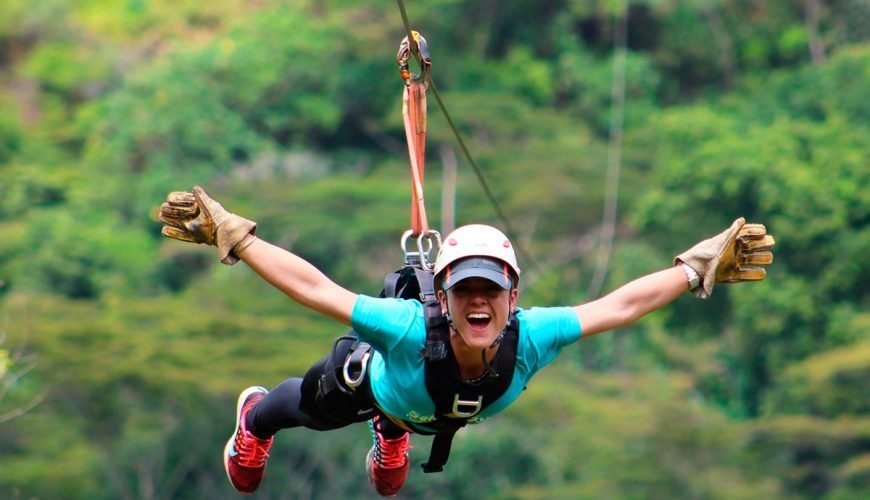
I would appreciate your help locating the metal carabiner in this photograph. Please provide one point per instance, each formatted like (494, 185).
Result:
(361, 363)
(433, 234)
(420, 47)
(421, 256)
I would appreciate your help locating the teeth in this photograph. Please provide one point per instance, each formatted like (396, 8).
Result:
(478, 316)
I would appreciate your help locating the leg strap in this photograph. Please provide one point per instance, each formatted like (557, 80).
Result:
(336, 388)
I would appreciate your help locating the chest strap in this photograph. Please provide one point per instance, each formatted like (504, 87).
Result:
(457, 401)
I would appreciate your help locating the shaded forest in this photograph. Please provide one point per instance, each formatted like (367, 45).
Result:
(122, 352)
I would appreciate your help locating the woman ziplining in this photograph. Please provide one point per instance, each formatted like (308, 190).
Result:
(475, 282)
(445, 345)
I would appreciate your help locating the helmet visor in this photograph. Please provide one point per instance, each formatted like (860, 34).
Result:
(478, 267)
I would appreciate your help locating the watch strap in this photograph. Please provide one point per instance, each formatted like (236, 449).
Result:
(691, 275)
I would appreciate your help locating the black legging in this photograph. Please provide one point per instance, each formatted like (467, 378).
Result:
(299, 402)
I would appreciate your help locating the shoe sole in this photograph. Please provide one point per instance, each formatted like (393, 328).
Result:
(369, 461)
(239, 405)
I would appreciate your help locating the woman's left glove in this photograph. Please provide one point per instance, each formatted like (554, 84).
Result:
(731, 256)
(196, 218)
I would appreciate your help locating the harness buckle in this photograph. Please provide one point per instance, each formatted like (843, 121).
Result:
(475, 407)
(356, 365)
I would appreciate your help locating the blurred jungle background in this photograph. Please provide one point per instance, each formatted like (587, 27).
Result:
(123, 352)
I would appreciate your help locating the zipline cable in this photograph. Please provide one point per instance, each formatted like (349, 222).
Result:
(499, 212)
(614, 153)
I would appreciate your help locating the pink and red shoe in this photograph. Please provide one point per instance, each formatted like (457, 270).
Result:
(387, 461)
(245, 454)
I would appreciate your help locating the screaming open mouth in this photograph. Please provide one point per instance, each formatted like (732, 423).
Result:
(478, 321)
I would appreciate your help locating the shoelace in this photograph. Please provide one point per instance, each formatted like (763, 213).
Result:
(252, 451)
(390, 453)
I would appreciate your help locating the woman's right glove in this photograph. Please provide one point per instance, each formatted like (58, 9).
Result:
(730, 256)
(196, 218)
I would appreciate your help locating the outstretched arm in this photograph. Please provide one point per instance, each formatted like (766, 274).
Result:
(196, 218)
(632, 301)
(299, 279)
(729, 257)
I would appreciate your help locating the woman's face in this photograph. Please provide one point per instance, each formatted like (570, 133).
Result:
(480, 309)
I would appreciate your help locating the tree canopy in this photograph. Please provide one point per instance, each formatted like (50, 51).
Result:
(121, 352)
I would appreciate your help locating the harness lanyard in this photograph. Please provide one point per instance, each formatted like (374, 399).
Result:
(414, 112)
(414, 115)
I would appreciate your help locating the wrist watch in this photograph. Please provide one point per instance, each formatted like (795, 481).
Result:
(691, 275)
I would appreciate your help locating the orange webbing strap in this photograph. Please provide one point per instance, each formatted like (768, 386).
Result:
(414, 114)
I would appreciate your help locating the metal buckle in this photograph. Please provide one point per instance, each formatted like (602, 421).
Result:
(474, 404)
(351, 382)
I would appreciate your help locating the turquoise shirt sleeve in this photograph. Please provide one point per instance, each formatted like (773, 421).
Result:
(383, 323)
(544, 332)
(548, 331)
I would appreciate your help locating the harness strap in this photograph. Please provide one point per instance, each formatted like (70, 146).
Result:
(439, 452)
(456, 400)
(391, 283)
(329, 381)
(414, 114)
(425, 281)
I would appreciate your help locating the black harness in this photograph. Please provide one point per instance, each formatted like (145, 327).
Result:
(457, 400)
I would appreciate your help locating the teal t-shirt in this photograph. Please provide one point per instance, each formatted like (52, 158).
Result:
(396, 329)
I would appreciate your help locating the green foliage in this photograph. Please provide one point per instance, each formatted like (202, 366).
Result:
(794, 175)
(853, 478)
(66, 68)
(10, 133)
(825, 385)
(49, 455)
(22, 18)
(80, 260)
(134, 346)
(811, 455)
(667, 445)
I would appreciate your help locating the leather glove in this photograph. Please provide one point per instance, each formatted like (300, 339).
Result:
(730, 256)
(196, 218)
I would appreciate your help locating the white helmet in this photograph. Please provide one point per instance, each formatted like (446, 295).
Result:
(476, 240)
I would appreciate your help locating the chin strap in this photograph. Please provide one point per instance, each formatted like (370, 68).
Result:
(450, 323)
(490, 371)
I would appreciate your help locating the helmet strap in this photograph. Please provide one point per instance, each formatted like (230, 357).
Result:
(490, 371)
(450, 322)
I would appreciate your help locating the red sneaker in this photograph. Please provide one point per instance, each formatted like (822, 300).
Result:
(245, 454)
(387, 461)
